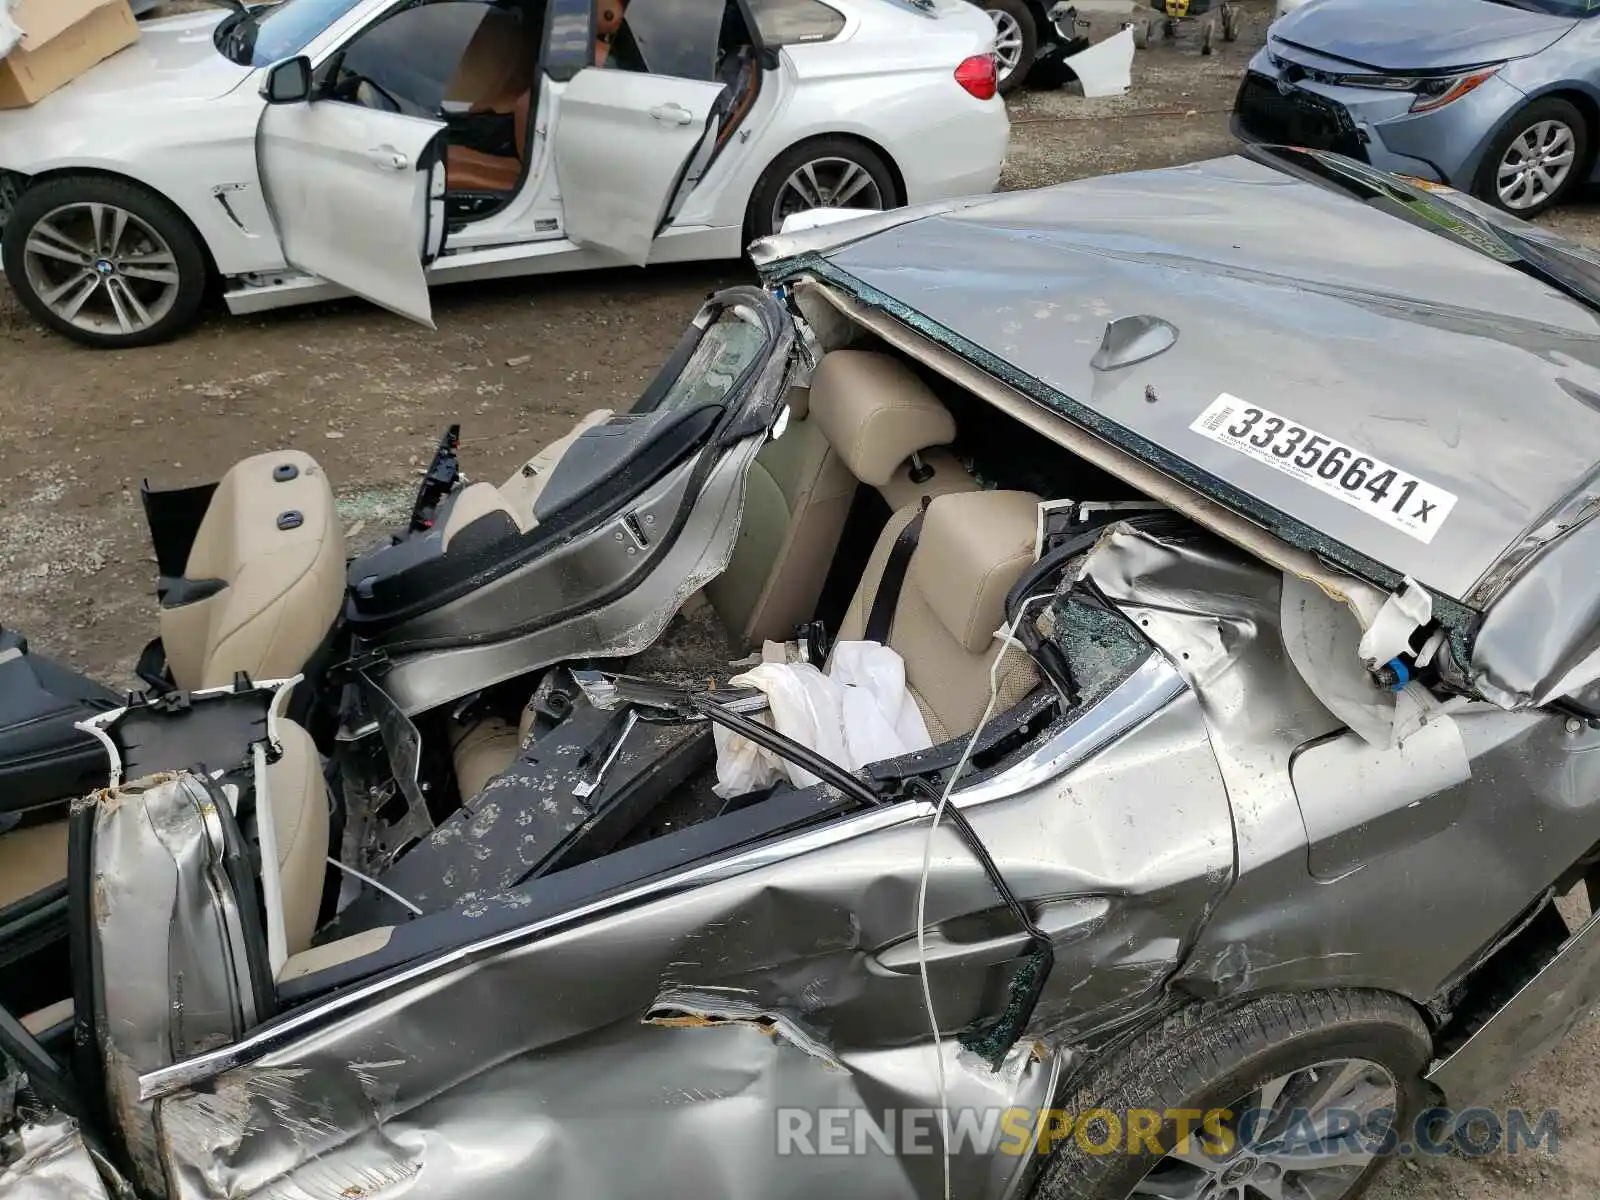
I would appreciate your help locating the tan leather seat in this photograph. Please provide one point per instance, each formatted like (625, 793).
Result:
(35, 857)
(865, 417)
(483, 749)
(31, 858)
(973, 548)
(518, 495)
(299, 796)
(272, 540)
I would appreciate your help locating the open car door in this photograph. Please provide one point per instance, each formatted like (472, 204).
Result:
(623, 142)
(357, 195)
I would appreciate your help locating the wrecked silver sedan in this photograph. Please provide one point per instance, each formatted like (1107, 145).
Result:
(1234, 524)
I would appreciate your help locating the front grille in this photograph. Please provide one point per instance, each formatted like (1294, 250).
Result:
(1299, 119)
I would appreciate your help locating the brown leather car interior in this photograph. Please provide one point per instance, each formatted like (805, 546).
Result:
(607, 24)
(498, 73)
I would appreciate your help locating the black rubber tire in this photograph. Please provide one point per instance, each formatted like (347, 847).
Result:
(758, 217)
(1548, 108)
(43, 198)
(1023, 16)
(1205, 1057)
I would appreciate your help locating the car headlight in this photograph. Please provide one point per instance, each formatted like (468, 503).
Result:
(1432, 91)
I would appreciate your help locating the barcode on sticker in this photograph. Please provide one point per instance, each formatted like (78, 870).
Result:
(1386, 493)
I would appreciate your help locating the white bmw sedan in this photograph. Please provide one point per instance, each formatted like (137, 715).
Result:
(298, 150)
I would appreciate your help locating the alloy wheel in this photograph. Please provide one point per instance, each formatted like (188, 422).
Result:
(101, 268)
(826, 183)
(1309, 1134)
(1007, 42)
(1536, 164)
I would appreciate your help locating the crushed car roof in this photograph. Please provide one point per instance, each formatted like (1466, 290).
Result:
(1337, 373)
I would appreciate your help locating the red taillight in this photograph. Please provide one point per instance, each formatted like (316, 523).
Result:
(978, 75)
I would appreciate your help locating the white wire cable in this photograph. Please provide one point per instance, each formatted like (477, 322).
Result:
(1007, 642)
(373, 883)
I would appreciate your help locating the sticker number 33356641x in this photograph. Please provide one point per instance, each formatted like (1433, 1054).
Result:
(1391, 495)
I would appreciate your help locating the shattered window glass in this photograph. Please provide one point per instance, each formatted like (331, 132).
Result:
(1101, 646)
(729, 348)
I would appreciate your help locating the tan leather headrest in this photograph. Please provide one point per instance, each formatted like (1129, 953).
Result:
(973, 549)
(875, 412)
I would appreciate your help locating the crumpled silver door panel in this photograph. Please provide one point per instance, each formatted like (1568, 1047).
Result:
(1473, 822)
(644, 1050)
(50, 1163)
(172, 973)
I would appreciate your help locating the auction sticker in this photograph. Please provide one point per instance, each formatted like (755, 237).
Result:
(1390, 495)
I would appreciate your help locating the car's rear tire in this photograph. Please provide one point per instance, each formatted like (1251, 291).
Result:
(1204, 1059)
(104, 261)
(839, 172)
(1536, 160)
(1016, 42)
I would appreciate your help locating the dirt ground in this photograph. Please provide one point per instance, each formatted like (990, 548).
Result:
(517, 363)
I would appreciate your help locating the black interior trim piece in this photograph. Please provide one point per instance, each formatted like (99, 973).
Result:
(428, 584)
(167, 733)
(240, 866)
(664, 543)
(561, 892)
(86, 1068)
(174, 516)
(180, 591)
(44, 758)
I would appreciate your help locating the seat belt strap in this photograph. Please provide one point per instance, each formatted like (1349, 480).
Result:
(881, 620)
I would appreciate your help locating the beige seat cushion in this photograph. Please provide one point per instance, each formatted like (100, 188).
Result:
(299, 798)
(522, 491)
(283, 587)
(481, 751)
(797, 496)
(31, 858)
(517, 496)
(861, 419)
(876, 412)
(973, 548)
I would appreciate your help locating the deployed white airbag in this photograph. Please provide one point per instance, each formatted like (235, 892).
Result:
(858, 713)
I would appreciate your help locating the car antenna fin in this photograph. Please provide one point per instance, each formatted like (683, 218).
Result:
(1130, 340)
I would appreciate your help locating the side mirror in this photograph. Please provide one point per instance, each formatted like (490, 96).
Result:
(288, 82)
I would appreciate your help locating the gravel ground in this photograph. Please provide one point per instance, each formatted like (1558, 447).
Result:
(516, 363)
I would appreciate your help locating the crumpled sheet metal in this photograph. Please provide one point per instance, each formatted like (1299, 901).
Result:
(53, 1164)
(1541, 640)
(165, 944)
(1321, 876)
(649, 1048)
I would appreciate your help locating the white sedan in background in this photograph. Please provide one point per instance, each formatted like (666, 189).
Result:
(312, 148)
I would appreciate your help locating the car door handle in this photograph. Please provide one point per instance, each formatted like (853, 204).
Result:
(672, 114)
(388, 158)
(950, 945)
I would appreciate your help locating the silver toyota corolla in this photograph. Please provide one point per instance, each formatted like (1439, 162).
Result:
(1236, 527)
(1500, 98)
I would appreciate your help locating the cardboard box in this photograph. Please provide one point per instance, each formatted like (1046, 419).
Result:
(61, 39)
